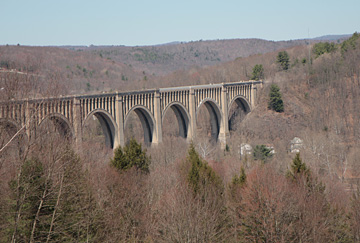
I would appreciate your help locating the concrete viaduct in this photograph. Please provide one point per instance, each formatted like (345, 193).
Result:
(70, 113)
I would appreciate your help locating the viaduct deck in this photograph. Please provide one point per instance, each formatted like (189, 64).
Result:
(70, 113)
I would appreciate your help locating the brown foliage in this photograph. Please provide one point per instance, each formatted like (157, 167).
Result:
(320, 107)
(124, 206)
(274, 208)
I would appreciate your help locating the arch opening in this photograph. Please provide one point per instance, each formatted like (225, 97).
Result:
(8, 127)
(139, 117)
(17, 147)
(238, 110)
(99, 127)
(175, 122)
(53, 135)
(56, 125)
(208, 121)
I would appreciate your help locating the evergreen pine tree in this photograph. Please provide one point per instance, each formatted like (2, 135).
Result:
(283, 60)
(351, 43)
(300, 172)
(275, 101)
(298, 167)
(241, 179)
(261, 152)
(119, 161)
(201, 176)
(76, 211)
(27, 191)
(131, 155)
(257, 72)
(194, 173)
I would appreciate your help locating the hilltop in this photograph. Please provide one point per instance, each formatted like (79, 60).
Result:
(80, 69)
(163, 59)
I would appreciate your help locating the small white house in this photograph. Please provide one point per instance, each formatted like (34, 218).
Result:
(245, 148)
(295, 145)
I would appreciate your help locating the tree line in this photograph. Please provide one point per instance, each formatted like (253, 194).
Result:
(56, 196)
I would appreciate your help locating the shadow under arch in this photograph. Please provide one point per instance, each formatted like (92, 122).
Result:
(107, 123)
(61, 123)
(9, 125)
(182, 117)
(215, 116)
(8, 128)
(242, 106)
(147, 122)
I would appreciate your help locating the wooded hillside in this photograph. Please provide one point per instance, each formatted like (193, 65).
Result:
(164, 59)
(196, 192)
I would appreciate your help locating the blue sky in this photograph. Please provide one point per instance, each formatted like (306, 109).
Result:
(140, 22)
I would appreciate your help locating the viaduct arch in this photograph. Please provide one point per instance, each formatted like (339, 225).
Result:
(61, 123)
(242, 106)
(215, 116)
(147, 122)
(182, 117)
(69, 113)
(107, 123)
